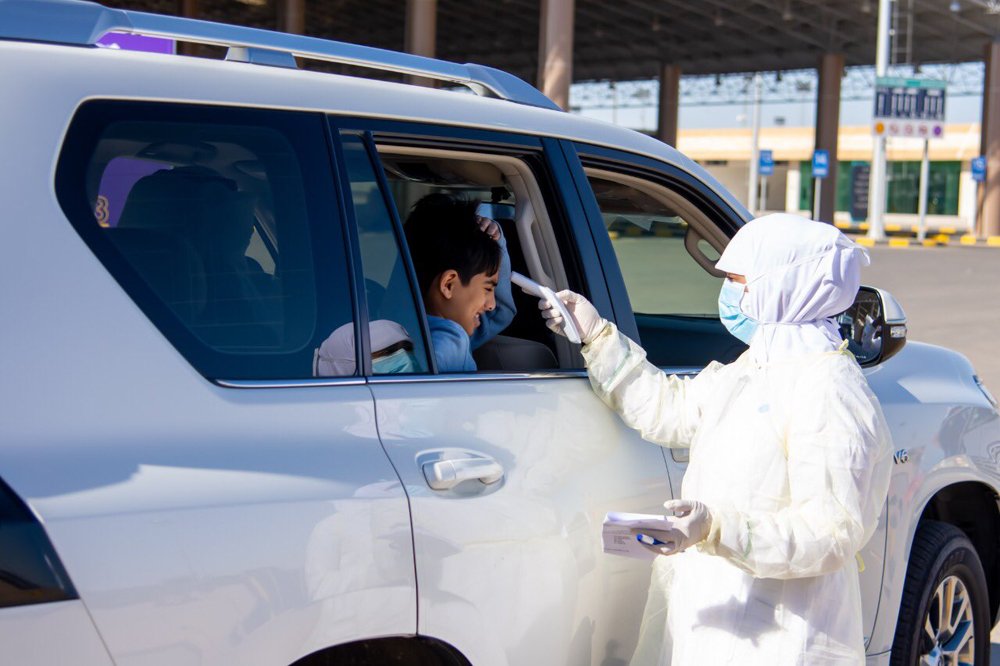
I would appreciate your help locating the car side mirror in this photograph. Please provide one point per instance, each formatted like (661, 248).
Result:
(874, 326)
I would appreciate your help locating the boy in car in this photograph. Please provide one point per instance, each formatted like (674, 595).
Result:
(464, 274)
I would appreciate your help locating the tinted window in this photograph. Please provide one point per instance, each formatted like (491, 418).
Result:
(648, 235)
(218, 223)
(660, 234)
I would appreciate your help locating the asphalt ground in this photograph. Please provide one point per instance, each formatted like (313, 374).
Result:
(951, 296)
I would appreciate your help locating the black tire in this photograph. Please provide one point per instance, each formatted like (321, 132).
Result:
(940, 551)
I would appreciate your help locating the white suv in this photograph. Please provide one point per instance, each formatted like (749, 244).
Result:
(176, 487)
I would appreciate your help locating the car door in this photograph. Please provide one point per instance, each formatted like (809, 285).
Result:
(211, 500)
(660, 230)
(509, 562)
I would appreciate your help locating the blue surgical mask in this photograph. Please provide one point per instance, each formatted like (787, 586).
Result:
(398, 362)
(740, 325)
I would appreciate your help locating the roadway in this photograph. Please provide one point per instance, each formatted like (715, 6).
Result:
(951, 296)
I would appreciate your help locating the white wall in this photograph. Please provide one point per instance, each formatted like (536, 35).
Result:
(734, 176)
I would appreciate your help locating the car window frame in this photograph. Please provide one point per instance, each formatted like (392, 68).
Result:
(548, 166)
(697, 192)
(338, 126)
(76, 151)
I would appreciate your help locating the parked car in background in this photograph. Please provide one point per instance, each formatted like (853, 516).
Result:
(178, 487)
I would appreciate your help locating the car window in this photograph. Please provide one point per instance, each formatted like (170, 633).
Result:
(504, 189)
(648, 235)
(217, 222)
(396, 342)
(666, 247)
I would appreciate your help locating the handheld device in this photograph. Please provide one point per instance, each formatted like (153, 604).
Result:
(529, 286)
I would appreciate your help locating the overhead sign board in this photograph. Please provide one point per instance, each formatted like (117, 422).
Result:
(821, 163)
(766, 163)
(909, 107)
(979, 169)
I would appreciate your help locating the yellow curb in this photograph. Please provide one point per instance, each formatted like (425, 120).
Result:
(865, 241)
(899, 242)
(943, 239)
(893, 227)
(842, 225)
(946, 230)
(993, 241)
(930, 242)
(968, 240)
(863, 226)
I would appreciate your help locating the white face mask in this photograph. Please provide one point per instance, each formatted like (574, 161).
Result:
(398, 362)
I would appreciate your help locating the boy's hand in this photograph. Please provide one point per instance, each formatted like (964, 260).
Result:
(488, 227)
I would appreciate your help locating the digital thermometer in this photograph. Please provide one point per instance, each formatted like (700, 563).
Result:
(531, 287)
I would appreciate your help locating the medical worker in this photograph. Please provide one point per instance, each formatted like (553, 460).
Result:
(789, 459)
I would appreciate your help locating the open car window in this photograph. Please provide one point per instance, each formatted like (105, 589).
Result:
(507, 191)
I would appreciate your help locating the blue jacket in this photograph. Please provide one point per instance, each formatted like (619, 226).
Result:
(453, 346)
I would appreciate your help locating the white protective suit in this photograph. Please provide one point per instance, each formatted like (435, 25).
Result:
(789, 451)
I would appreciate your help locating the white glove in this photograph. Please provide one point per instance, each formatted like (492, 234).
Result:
(588, 322)
(689, 526)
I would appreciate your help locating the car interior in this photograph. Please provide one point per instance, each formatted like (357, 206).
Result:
(508, 193)
(196, 221)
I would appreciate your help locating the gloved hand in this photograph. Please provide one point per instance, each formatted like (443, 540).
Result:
(689, 526)
(588, 322)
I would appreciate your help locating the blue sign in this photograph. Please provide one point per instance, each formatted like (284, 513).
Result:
(979, 169)
(766, 163)
(821, 163)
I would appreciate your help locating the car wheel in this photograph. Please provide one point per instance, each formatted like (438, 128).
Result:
(944, 617)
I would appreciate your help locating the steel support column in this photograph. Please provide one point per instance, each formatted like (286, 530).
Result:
(667, 113)
(188, 9)
(989, 191)
(555, 50)
(421, 33)
(831, 70)
(292, 16)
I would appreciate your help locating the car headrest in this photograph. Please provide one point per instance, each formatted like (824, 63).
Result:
(189, 196)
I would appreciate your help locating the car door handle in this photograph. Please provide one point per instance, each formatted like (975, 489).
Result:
(446, 474)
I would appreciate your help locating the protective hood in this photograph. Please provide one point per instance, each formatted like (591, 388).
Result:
(799, 275)
(335, 357)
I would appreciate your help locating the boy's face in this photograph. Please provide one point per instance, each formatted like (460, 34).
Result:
(464, 304)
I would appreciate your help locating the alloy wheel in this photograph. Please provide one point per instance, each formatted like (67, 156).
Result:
(949, 630)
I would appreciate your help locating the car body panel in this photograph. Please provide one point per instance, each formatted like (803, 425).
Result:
(46, 634)
(195, 521)
(567, 460)
(950, 433)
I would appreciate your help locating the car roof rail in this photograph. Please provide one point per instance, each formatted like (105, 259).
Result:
(83, 23)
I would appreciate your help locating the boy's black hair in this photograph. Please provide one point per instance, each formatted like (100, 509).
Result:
(443, 234)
